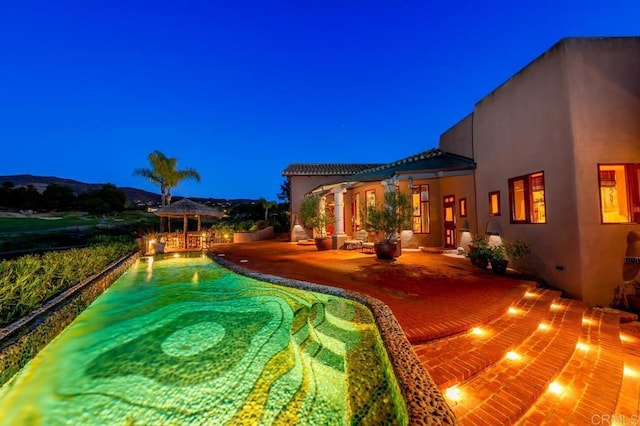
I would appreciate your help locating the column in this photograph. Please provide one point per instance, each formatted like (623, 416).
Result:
(339, 236)
(338, 197)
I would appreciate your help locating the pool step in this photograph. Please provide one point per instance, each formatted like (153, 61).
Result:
(454, 359)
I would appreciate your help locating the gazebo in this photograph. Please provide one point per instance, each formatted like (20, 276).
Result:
(186, 209)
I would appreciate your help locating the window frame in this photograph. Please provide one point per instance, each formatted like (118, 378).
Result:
(369, 198)
(497, 195)
(633, 199)
(424, 204)
(526, 179)
(462, 207)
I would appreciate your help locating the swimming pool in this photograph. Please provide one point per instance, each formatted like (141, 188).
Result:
(181, 340)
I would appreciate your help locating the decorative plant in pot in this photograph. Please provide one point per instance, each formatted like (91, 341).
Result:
(313, 215)
(479, 251)
(386, 220)
(498, 259)
(517, 250)
(507, 251)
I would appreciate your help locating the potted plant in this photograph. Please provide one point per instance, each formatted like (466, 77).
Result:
(479, 251)
(386, 220)
(314, 216)
(517, 250)
(498, 259)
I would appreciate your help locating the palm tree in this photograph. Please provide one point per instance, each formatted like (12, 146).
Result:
(164, 174)
(266, 205)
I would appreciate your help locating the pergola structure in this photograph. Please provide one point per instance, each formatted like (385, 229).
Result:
(186, 209)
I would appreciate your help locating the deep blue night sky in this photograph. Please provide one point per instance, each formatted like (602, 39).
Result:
(239, 89)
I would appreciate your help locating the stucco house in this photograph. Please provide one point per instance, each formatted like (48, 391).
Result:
(551, 157)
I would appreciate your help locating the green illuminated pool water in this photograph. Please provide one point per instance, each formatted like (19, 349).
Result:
(185, 341)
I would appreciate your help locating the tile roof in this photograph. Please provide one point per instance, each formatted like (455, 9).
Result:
(432, 160)
(326, 169)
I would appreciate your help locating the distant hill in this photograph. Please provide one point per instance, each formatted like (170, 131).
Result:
(135, 196)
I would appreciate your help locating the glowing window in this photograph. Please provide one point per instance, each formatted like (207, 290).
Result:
(463, 207)
(619, 193)
(356, 212)
(527, 199)
(494, 203)
(420, 206)
(370, 198)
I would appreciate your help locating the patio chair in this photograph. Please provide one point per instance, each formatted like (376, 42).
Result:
(361, 241)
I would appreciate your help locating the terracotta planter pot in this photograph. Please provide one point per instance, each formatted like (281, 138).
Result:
(325, 243)
(386, 251)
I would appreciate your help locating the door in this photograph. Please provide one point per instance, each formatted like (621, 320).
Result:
(449, 205)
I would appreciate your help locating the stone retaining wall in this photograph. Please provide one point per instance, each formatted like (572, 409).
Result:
(245, 237)
(22, 340)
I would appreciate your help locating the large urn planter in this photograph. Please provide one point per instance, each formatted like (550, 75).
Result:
(313, 214)
(385, 251)
(325, 243)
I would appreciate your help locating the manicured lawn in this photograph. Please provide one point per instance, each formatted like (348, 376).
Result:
(13, 223)
(21, 233)
(44, 223)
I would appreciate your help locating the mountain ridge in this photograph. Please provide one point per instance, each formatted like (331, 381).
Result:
(134, 195)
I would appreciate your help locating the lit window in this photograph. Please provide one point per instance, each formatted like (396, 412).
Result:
(370, 198)
(526, 199)
(463, 207)
(494, 203)
(619, 193)
(420, 208)
(356, 212)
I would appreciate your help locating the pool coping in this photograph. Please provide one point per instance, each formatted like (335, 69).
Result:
(425, 403)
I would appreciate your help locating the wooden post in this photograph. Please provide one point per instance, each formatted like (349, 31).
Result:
(186, 242)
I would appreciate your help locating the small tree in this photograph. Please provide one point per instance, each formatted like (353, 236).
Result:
(313, 217)
(389, 218)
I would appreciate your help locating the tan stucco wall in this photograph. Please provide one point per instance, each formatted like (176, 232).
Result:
(523, 127)
(604, 87)
(459, 138)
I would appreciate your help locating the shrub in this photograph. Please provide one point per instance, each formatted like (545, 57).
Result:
(27, 282)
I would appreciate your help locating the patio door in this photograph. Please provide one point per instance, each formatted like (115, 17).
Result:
(449, 205)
